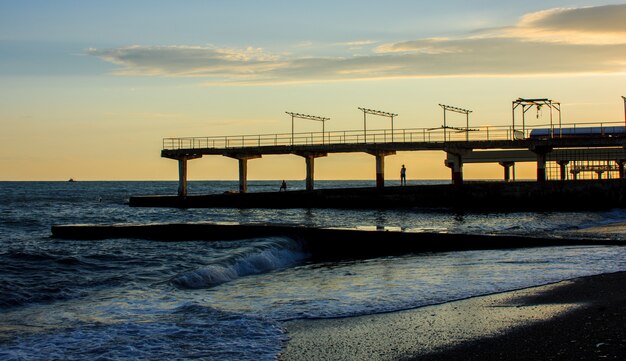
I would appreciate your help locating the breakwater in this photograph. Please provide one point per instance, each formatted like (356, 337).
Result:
(478, 196)
(321, 243)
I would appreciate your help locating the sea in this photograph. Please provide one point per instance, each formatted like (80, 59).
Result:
(133, 299)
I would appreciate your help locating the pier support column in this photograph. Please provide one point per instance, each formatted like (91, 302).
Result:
(182, 177)
(243, 175)
(454, 161)
(182, 172)
(620, 167)
(507, 170)
(380, 166)
(243, 168)
(541, 161)
(309, 157)
(562, 168)
(541, 167)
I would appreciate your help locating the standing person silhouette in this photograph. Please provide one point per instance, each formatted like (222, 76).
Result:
(283, 186)
(403, 176)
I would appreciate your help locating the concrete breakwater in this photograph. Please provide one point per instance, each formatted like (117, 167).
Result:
(320, 243)
(479, 196)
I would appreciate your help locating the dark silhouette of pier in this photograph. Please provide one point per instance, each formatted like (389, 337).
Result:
(501, 145)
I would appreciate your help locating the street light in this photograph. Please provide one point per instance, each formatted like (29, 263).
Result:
(309, 117)
(456, 110)
(376, 112)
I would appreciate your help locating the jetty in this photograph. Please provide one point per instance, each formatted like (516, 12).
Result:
(562, 152)
(321, 243)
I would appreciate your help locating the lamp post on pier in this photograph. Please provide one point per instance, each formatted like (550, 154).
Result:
(309, 117)
(376, 112)
(456, 110)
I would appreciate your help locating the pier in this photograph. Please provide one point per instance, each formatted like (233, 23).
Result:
(562, 152)
(499, 145)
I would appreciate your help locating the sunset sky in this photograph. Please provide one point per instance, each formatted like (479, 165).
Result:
(89, 89)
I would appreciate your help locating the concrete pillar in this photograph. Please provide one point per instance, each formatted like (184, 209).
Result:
(380, 166)
(182, 171)
(574, 175)
(541, 152)
(457, 171)
(620, 167)
(599, 173)
(243, 168)
(507, 170)
(243, 175)
(310, 172)
(455, 163)
(380, 171)
(182, 177)
(309, 157)
(541, 167)
(562, 168)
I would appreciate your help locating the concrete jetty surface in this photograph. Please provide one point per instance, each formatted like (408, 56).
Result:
(321, 243)
(479, 196)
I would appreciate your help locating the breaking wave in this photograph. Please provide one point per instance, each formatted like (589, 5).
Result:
(267, 255)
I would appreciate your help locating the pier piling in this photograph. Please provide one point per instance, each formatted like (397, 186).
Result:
(380, 166)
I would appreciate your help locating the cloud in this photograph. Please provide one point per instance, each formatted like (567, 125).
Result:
(588, 25)
(187, 60)
(600, 19)
(550, 42)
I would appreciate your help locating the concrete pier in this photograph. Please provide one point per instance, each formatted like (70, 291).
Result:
(541, 150)
(470, 196)
(320, 243)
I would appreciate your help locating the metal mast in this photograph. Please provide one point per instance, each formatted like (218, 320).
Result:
(376, 112)
(309, 117)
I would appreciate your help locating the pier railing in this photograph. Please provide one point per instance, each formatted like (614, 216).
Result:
(410, 135)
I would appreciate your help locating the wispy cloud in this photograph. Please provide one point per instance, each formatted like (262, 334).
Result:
(182, 60)
(550, 42)
(588, 25)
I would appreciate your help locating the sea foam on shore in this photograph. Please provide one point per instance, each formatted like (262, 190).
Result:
(395, 335)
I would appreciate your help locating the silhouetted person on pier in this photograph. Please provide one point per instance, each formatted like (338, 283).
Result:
(283, 186)
(403, 176)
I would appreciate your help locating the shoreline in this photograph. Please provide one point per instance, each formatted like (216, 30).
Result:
(581, 318)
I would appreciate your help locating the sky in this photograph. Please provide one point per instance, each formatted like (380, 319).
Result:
(88, 89)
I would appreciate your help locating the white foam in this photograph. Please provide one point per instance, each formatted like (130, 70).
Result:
(268, 255)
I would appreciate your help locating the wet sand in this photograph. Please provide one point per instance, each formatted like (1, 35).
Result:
(612, 230)
(580, 319)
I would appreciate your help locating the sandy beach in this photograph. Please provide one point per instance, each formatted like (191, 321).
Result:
(580, 319)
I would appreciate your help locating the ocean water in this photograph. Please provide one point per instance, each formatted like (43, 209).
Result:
(136, 299)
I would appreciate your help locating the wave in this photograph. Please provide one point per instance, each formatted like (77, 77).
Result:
(267, 255)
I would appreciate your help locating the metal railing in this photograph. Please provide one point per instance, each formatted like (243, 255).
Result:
(411, 135)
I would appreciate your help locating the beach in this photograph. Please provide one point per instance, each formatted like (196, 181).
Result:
(579, 319)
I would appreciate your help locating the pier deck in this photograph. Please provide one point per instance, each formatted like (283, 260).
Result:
(456, 142)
